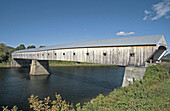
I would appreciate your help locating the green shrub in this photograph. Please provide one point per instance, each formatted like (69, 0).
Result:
(49, 105)
(155, 72)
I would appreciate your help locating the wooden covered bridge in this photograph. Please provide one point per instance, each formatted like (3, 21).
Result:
(136, 51)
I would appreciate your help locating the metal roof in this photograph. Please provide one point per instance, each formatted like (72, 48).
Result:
(128, 41)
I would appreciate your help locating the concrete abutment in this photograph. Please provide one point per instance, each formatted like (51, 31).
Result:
(37, 67)
(40, 67)
(132, 73)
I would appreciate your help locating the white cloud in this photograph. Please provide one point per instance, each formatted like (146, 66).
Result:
(145, 18)
(167, 17)
(146, 14)
(159, 10)
(123, 33)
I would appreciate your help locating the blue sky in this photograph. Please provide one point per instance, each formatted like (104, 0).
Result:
(51, 22)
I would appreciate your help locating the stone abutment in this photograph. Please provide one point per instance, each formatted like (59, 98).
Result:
(132, 73)
(37, 67)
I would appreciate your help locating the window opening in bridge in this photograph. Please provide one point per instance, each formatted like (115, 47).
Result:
(48, 54)
(55, 54)
(104, 54)
(42, 54)
(87, 54)
(132, 54)
(74, 53)
(63, 53)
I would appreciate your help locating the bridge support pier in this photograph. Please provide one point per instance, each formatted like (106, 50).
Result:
(132, 73)
(39, 67)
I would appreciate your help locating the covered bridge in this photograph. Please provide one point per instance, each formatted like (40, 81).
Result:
(118, 51)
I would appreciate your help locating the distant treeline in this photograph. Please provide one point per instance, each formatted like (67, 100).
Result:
(167, 57)
(5, 51)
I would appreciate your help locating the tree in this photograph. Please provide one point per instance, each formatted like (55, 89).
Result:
(167, 57)
(21, 47)
(41, 46)
(3, 57)
(4, 53)
(2, 47)
(31, 46)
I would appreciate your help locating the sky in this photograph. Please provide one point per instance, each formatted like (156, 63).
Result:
(51, 22)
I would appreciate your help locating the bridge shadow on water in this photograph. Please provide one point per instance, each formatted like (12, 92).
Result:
(98, 82)
(86, 82)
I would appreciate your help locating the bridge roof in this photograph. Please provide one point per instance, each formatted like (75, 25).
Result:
(157, 40)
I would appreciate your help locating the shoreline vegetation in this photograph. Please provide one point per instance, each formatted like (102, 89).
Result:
(70, 63)
(62, 63)
(150, 93)
(5, 64)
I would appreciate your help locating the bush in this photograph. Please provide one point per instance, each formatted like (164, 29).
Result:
(155, 72)
(48, 105)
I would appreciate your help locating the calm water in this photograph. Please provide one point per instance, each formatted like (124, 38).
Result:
(74, 83)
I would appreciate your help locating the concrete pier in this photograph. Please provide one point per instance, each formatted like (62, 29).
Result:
(39, 67)
(132, 73)
(20, 62)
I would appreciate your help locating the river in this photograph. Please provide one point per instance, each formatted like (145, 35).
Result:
(74, 83)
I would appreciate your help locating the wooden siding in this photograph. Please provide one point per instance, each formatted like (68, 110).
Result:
(103, 55)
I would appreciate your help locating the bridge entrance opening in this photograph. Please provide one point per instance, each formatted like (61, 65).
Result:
(157, 55)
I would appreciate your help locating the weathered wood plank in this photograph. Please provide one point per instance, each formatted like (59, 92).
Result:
(103, 55)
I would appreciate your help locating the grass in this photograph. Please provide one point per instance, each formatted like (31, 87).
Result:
(5, 64)
(155, 96)
(70, 63)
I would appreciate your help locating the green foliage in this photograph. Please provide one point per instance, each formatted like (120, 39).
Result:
(41, 46)
(21, 47)
(31, 47)
(167, 57)
(60, 62)
(3, 57)
(48, 105)
(165, 66)
(54, 62)
(4, 53)
(155, 72)
(15, 108)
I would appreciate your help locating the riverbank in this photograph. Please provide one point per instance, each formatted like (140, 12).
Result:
(5, 64)
(70, 63)
(62, 63)
(150, 93)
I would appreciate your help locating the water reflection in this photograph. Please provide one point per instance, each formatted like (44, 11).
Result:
(39, 78)
(74, 83)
